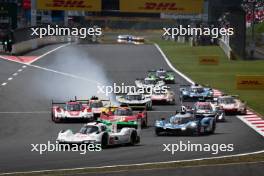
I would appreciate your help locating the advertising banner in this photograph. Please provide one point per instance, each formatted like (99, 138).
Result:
(86, 5)
(158, 6)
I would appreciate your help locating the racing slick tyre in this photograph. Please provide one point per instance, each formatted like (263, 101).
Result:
(172, 102)
(54, 119)
(133, 138)
(158, 131)
(149, 106)
(198, 131)
(213, 128)
(104, 141)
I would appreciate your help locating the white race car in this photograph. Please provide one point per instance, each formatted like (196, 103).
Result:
(96, 105)
(129, 38)
(167, 97)
(135, 101)
(71, 110)
(149, 83)
(232, 105)
(99, 133)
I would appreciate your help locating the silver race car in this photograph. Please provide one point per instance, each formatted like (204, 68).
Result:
(208, 109)
(136, 101)
(149, 84)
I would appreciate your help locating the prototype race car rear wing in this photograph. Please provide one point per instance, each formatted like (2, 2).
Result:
(57, 103)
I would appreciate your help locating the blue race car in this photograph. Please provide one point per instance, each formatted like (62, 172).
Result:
(185, 123)
(196, 92)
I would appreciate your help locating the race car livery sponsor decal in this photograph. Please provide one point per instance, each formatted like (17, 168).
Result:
(156, 6)
(89, 5)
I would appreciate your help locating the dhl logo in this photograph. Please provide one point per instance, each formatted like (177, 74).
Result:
(91, 5)
(67, 3)
(250, 82)
(161, 6)
(208, 60)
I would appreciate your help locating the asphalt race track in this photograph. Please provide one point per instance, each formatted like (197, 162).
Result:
(26, 101)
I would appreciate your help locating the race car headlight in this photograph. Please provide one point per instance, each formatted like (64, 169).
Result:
(221, 116)
(59, 115)
(183, 128)
(193, 124)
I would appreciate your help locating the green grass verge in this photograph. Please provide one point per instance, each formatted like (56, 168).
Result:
(222, 76)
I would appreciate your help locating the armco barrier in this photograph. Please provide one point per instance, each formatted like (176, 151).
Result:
(25, 46)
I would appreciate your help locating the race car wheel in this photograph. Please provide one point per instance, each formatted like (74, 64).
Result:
(104, 141)
(213, 128)
(133, 138)
(158, 131)
(172, 102)
(198, 131)
(144, 122)
(54, 119)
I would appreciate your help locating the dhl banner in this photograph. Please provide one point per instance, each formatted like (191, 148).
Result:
(208, 60)
(158, 6)
(87, 5)
(250, 82)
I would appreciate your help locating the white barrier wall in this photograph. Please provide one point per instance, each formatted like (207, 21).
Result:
(32, 44)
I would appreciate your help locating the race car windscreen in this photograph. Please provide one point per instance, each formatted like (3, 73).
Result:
(89, 129)
(180, 120)
(203, 107)
(73, 107)
(96, 104)
(134, 97)
(123, 112)
(160, 73)
(228, 100)
(198, 90)
(149, 81)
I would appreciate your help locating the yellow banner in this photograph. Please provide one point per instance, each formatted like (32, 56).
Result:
(250, 82)
(157, 6)
(208, 60)
(87, 5)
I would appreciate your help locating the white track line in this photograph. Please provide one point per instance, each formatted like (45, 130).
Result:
(131, 165)
(171, 66)
(25, 112)
(37, 58)
(25, 64)
(65, 74)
